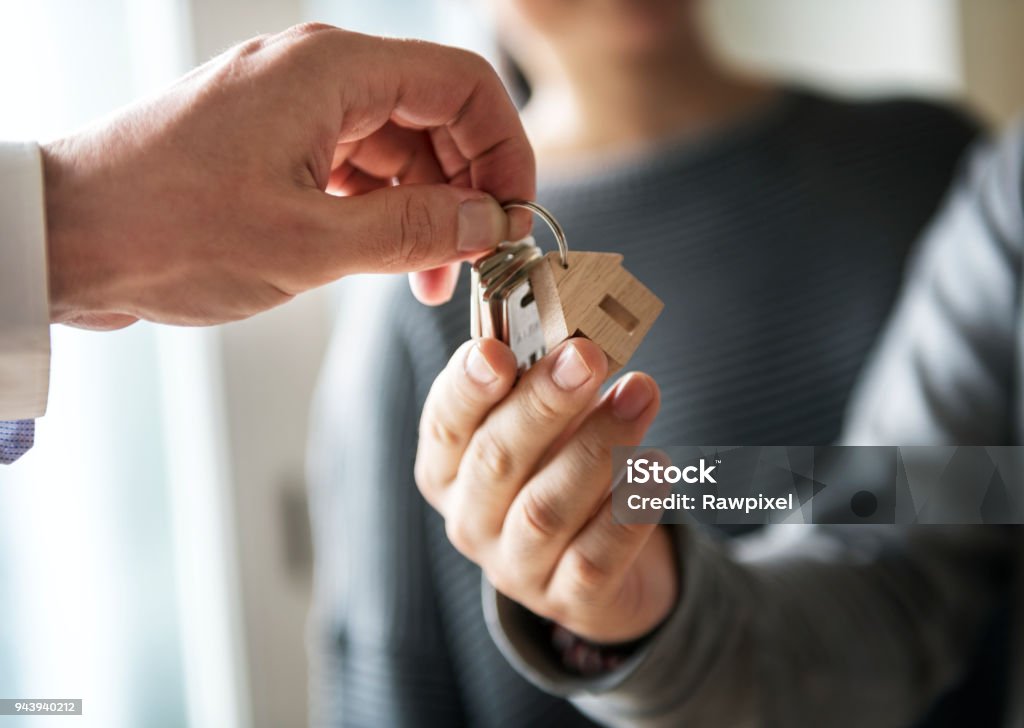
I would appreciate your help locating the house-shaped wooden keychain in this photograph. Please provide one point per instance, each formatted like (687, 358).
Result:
(534, 302)
(592, 295)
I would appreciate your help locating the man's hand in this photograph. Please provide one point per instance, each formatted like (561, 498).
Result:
(269, 171)
(522, 477)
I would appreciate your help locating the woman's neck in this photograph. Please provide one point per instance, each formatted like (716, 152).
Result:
(586, 108)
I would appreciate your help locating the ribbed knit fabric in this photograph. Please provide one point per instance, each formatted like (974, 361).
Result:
(777, 246)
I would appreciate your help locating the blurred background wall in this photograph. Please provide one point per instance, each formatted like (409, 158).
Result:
(154, 548)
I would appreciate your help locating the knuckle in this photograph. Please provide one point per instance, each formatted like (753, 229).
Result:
(467, 58)
(479, 64)
(502, 581)
(536, 408)
(541, 516)
(485, 80)
(303, 35)
(309, 45)
(424, 478)
(588, 578)
(496, 460)
(419, 229)
(414, 235)
(440, 432)
(461, 535)
(250, 47)
(303, 30)
(590, 451)
(237, 64)
(555, 611)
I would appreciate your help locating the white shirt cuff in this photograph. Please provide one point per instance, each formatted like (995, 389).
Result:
(24, 298)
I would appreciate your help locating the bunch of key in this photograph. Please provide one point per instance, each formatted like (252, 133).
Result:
(503, 305)
(532, 301)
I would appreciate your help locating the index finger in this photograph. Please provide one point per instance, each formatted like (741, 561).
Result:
(429, 86)
(476, 378)
(517, 434)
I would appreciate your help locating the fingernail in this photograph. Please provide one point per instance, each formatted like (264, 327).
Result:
(482, 224)
(570, 371)
(478, 368)
(632, 398)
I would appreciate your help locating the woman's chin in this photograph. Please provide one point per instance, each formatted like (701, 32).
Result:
(638, 51)
(638, 38)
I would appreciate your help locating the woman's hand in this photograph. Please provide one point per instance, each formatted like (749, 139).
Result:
(523, 476)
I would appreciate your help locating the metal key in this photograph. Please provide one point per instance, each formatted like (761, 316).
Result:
(502, 303)
(533, 301)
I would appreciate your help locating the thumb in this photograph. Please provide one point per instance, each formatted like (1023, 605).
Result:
(412, 227)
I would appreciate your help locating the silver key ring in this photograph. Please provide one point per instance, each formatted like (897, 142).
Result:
(543, 214)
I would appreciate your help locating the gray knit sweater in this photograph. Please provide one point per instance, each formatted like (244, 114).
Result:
(856, 626)
(777, 246)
